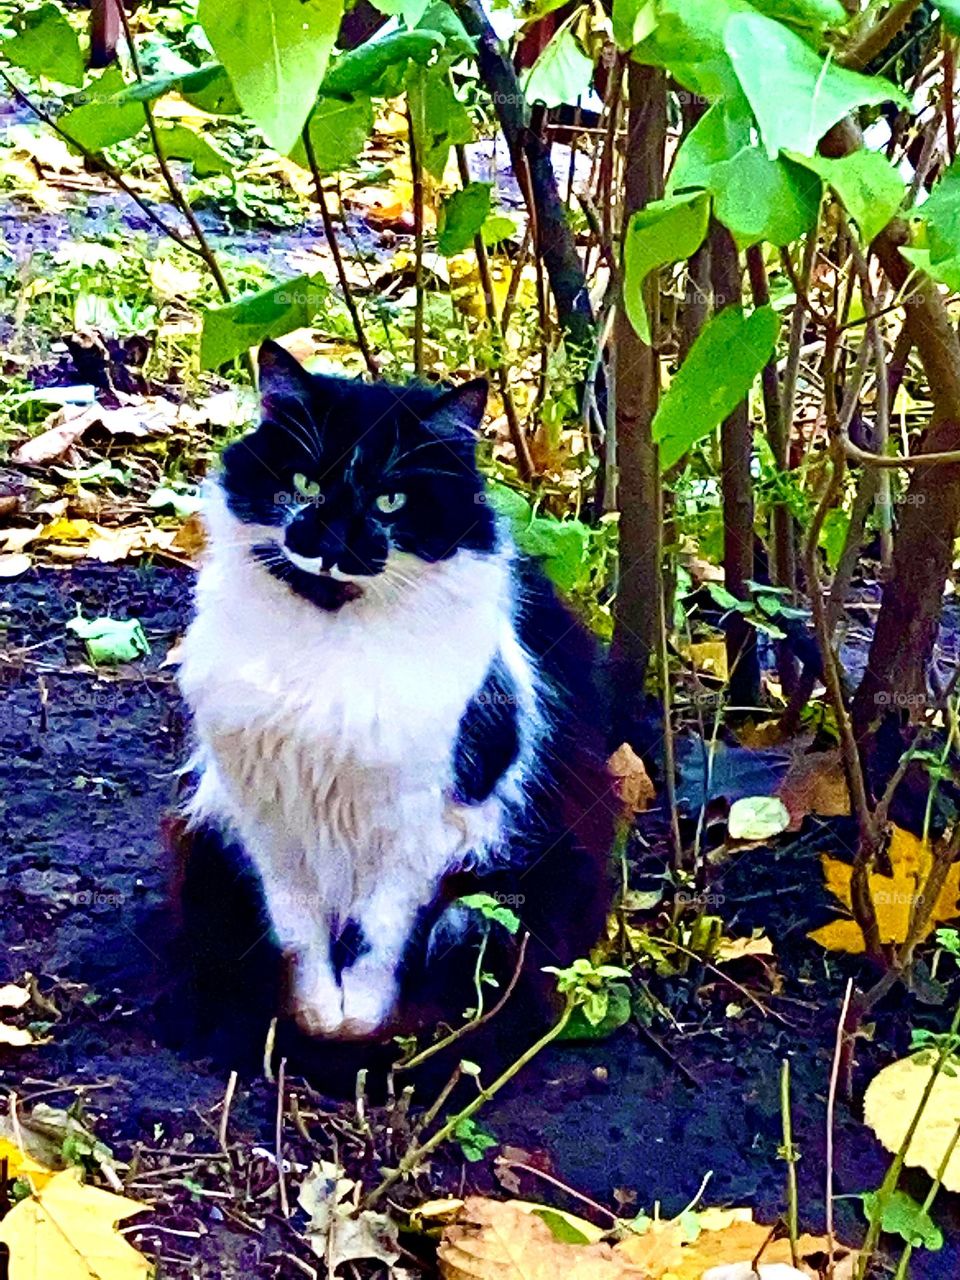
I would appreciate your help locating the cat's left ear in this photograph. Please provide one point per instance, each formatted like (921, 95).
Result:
(282, 377)
(460, 410)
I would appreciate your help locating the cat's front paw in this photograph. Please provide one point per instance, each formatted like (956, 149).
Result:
(317, 1000)
(369, 996)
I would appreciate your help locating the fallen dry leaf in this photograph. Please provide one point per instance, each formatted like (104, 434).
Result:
(21, 1165)
(727, 1238)
(337, 1231)
(815, 783)
(738, 948)
(633, 782)
(708, 657)
(15, 1037)
(66, 1229)
(893, 1099)
(893, 896)
(496, 1241)
(13, 563)
(13, 997)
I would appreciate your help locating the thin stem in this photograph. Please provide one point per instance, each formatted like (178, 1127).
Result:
(416, 169)
(417, 1154)
(790, 1156)
(475, 1023)
(517, 437)
(176, 195)
(330, 233)
(831, 1109)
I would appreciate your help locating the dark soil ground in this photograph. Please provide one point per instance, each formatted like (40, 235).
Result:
(87, 764)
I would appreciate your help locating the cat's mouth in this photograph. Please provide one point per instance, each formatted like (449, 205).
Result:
(320, 586)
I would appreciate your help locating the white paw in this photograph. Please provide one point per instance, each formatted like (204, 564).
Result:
(369, 995)
(317, 998)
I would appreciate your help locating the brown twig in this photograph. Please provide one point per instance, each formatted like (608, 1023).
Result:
(333, 245)
(831, 1112)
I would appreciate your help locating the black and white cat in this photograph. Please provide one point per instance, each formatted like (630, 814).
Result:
(387, 699)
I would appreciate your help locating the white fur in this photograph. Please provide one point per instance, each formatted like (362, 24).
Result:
(325, 741)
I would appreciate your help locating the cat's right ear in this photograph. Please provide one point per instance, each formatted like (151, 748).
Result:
(282, 377)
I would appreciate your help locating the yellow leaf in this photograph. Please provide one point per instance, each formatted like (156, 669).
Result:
(16, 1037)
(495, 1241)
(893, 1099)
(666, 1253)
(708, 656)
(894, 897)
(20, 1165)
(66, 1230)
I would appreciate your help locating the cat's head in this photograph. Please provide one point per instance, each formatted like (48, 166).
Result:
(346, 482)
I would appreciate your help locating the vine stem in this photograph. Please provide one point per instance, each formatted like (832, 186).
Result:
(333, 245)
(518, 438)
(417, 1154)
(469, 1027)
(176, 195)
(416, 169)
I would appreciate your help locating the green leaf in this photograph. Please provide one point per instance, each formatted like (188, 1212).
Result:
(815, 14)
(796, 95)
(275, 53)
(688, 42)
(941, 216)
(562, 545)
(363, 69)
(562, 74)
(833, 536)
(46, 45)
(947, 272)
(716, 375)
(613, 1016)
(717, 137)
(234, 328)
(950, 15)
(180, 143)
(411, 11)
(110, 640)
(440, 120)
(497, 228)
(757, 818)
(103, 119)
(633, 21)
(339, 129)
(208, 88)
(904, 1217)
(492, 909)
(866, 184)
(462, 215)
(762, 199)
(665, 231)
(475, 1141)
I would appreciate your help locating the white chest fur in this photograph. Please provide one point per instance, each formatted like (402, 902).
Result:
(326, 740)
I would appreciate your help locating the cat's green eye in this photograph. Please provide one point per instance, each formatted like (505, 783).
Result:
(388, 503)
(306, 488)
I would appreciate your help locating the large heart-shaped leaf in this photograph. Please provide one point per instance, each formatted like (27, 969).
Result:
(717, 374)
(665, 231)
(796, 94)
(275, 53)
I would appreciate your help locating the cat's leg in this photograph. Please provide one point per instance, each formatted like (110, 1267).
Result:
(370, 982)
(302, 924)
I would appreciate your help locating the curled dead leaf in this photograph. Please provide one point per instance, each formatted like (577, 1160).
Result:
(633, 782)
(496, 1241)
